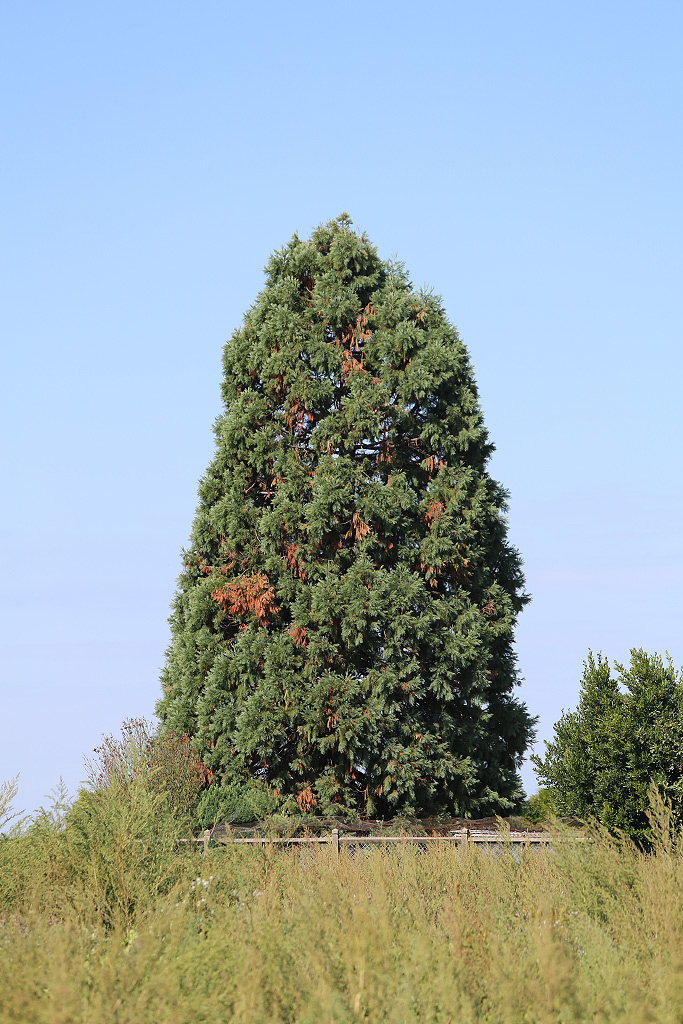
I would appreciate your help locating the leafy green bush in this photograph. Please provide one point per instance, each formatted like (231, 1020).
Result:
(236, 803)
(540, 807)
(625, 737)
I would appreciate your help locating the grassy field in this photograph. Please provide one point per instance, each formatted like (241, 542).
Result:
(106, 919)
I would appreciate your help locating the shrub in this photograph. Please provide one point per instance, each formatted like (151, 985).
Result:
(624, 738)
(540, 807)
(235, 804)
(118, 846)
(163, 762)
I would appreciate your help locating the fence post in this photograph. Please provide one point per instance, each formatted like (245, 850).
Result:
(465, 839)
(205, 840)
(334, 839)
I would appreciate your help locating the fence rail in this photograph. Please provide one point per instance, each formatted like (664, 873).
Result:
(461, 837)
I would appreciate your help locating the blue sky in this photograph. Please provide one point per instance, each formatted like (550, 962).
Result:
(524, 160)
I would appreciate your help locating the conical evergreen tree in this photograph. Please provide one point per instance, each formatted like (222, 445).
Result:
(342, 633)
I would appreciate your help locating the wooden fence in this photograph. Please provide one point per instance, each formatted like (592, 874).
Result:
(337, 840)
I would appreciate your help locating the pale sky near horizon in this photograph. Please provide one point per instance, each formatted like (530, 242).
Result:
(524, 160)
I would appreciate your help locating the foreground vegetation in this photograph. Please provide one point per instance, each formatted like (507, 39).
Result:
(106, 917)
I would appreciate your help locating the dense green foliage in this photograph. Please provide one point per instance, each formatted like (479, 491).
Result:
(114, 849)
(106, 918)
(540, 807)
(625, 736)
(342, 633)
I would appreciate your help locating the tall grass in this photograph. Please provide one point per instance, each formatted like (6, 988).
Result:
(105, 918)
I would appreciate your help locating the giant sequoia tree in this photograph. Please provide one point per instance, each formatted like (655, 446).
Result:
(342, 635)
